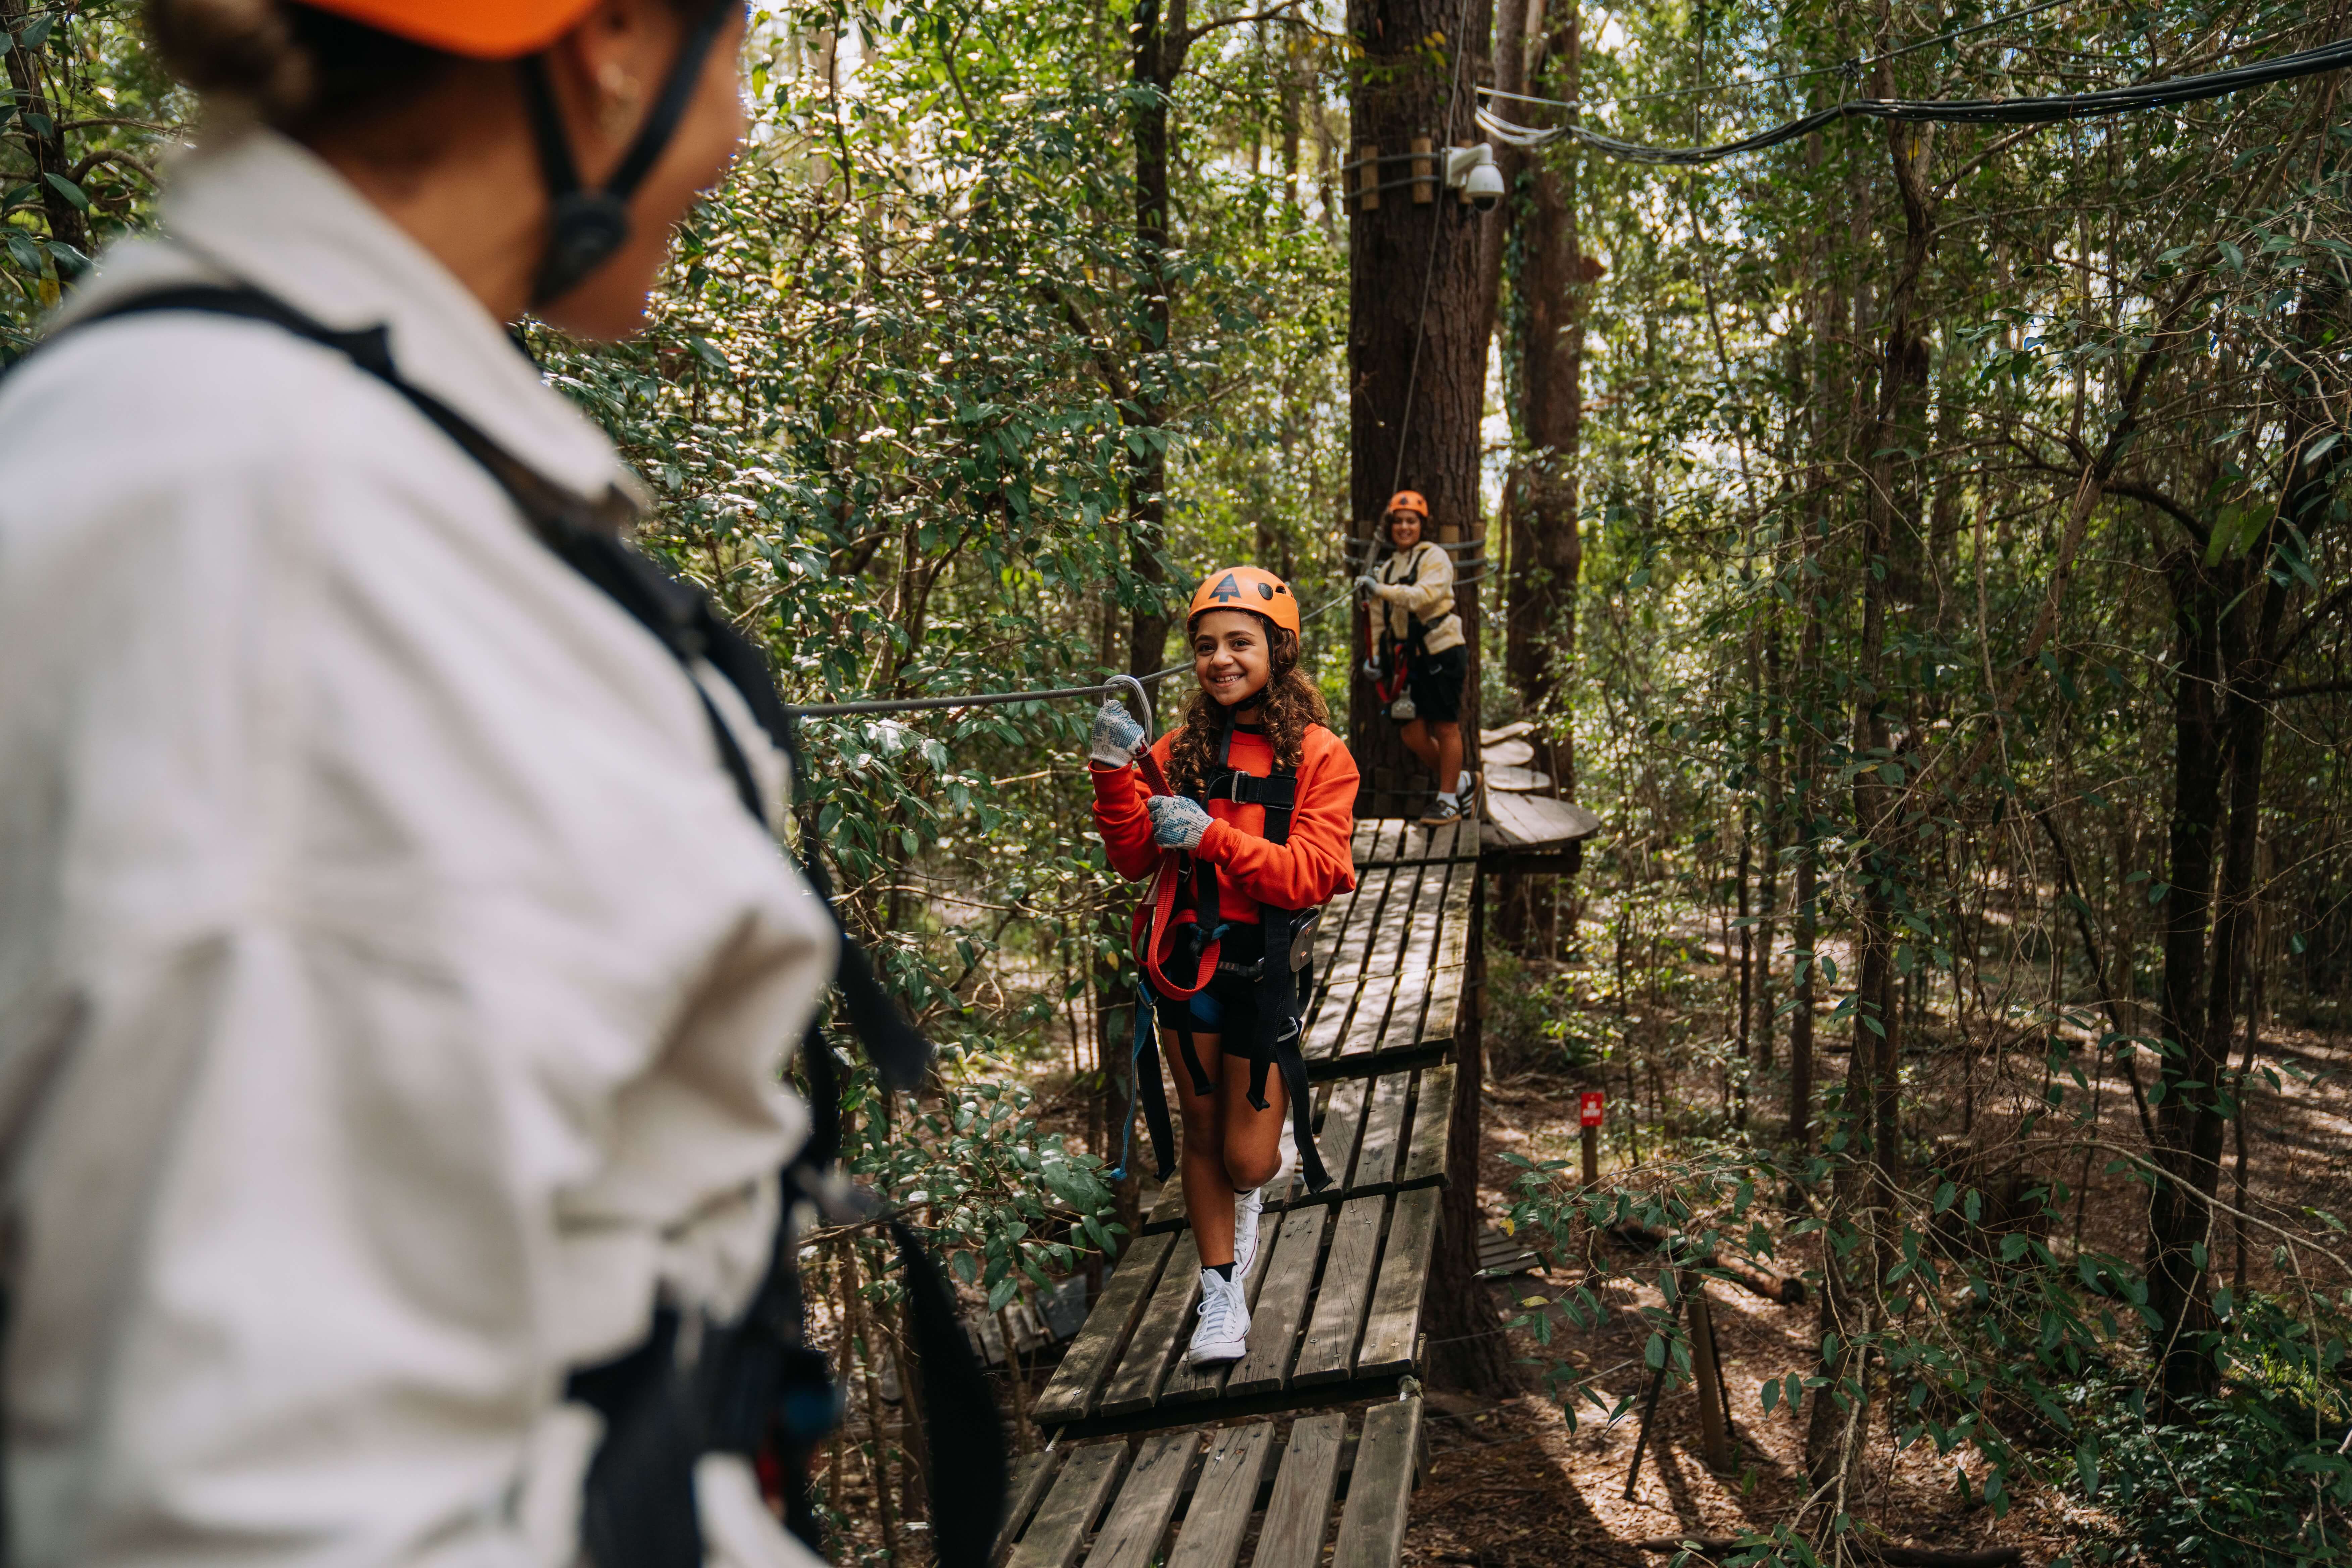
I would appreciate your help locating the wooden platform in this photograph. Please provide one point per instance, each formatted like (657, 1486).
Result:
(1375, 1136)
(1390, 960)
(1197, 1498)
(1526, 824)
(1310, 1444)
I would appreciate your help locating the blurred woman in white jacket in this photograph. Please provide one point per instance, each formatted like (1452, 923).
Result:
(393, 989)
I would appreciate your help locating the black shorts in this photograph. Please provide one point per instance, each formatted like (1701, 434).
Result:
(1435, 681)
(1228, 1004)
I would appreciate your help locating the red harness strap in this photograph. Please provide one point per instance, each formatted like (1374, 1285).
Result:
(1152, 934)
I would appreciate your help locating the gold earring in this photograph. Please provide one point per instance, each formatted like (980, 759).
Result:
(622, 95)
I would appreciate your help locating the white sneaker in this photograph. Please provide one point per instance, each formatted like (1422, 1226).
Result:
(1224, 1334)
(1247, 1206)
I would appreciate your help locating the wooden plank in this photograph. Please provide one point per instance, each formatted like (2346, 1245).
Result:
(1393, 1330)
(1506, 733)
(1329, 1025)
(1097, 1349)
(1224, 1498)
(1443, 1022)
(1403, 1029)
(1433, 1111)
(1329, 1351)
(1383, 1139)
(1387, 941)
(1511, 753)
(1188, 1383)
(1288, 1275)
(1054, 1537)
(1536, 821)
(1343, 1127)
(1031, 1474)
(1138, 1521)
(1364, 1031)
(1379, 1488)
(1298, 1515)
(1161, 1335)
(1518, 781)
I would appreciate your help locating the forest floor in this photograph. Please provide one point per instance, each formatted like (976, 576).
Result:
(1513, 1483)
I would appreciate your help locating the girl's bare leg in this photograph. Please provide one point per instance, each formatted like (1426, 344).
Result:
(1208, 1193)
(1448, 748)
(1253, 1144)
(1417, 741)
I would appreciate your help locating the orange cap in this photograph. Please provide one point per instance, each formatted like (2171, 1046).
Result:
(1407, 501)
(479, 29)
(1247, 588)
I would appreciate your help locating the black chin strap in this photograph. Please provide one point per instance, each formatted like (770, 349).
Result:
(586, 227)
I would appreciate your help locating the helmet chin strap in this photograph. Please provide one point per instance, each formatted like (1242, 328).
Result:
(586, 227)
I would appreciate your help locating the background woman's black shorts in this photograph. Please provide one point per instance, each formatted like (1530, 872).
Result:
(1435, 681)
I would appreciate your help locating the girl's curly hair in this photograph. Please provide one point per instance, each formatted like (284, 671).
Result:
(1289, 703)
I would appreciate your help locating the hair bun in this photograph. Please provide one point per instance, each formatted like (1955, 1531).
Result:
(241, 49)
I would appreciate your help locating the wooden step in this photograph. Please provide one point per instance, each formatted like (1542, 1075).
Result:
(1336, 1480)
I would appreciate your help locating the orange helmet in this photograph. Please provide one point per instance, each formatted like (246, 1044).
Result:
(1245, 588)
(1407, 501)
(479, 29)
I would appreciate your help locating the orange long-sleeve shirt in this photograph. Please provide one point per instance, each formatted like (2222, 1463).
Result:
(1315, 864)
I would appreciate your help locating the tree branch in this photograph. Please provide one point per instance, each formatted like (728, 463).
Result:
(1285, 12)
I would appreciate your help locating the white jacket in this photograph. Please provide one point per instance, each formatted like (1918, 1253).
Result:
(393, 990)
(1421, 584)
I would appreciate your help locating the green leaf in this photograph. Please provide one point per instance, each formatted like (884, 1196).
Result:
(70, 191)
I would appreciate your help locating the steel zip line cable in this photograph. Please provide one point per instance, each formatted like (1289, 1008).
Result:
(999, 699)
(1950, 112)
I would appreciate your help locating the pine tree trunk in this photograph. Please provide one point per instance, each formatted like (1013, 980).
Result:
(1417, 339)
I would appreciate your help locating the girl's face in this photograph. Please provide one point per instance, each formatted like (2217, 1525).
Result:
(1404, 529)
(1230, 655)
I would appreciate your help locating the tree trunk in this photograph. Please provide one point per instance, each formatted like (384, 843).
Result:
(1418, 325)
(37, 125)
(1417, 338)
(1160, 46)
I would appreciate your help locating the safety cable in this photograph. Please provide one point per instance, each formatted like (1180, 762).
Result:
(1733, 84)
(1950, 112)
(998, 699)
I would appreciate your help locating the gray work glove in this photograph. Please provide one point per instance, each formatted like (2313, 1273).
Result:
(1369, 584)
(1176, 821)
(1116, 737)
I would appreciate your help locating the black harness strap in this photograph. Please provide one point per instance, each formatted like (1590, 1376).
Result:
(1282, 991)
(756, 1382)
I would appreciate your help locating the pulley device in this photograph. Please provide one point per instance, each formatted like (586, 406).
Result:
(755, 1387)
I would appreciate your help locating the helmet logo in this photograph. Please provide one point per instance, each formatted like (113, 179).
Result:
(1227, 591)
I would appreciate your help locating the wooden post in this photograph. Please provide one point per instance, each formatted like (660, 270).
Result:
(1592, 1140)
(1714, 1441)
(1424, 177)
(1367, 179)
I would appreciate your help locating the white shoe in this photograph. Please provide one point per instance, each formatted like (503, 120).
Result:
(1224, 1334)
(1247, 1206)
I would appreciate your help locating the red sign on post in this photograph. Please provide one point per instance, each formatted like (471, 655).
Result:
(1588, 1106)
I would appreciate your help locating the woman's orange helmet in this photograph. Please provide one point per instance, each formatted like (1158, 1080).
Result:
(1408, 501)
(1245, 588)
(479, 29)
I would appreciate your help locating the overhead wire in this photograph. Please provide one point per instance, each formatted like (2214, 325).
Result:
(1965, 112)
(999, 699)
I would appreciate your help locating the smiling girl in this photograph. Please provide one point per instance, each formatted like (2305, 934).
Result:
(1263, 810)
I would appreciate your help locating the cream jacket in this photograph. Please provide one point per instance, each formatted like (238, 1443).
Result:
(393, 990)
(1420, 581)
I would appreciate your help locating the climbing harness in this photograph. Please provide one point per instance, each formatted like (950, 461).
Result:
(755, 1387)
(1170, 930)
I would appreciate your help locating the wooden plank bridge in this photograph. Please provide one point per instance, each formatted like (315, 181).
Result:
(1313, 1439)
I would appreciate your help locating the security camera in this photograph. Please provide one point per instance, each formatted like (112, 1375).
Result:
(1472, 172)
